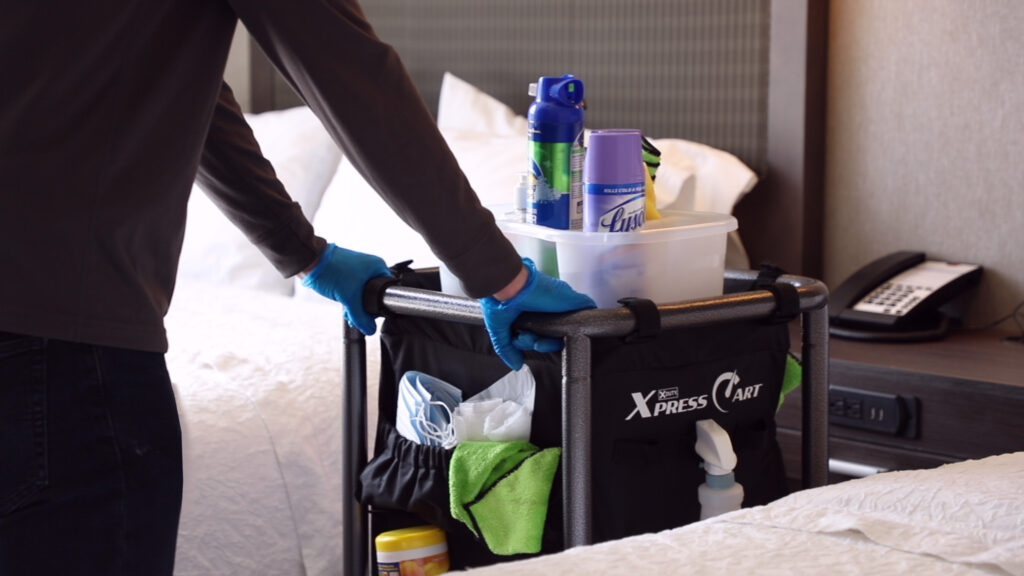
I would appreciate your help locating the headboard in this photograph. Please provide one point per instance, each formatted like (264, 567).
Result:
(746, 76)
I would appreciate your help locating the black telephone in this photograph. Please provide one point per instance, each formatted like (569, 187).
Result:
(897, 298)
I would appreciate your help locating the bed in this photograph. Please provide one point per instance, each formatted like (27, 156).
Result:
(256, 378)
(730, 90)
(963, 518)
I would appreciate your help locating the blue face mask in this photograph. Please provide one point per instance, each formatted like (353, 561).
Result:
(425, 406)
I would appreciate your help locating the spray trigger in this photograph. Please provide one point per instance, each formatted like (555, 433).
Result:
(715, 447)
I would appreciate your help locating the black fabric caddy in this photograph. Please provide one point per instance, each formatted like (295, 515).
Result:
(648, 394)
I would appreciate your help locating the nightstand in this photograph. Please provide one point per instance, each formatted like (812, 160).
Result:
(915, 405)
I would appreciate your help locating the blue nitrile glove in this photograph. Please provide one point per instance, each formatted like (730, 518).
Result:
(542, 293)
(341, 275)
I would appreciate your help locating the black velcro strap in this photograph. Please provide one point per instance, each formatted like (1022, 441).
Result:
(787, 299)
(373, 294)
(787, 302)
(648, 318)
(767, 276)
(373, 290)
(401, 269)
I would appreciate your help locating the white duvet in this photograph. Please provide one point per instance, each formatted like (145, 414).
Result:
(965, 518)
(258, 380)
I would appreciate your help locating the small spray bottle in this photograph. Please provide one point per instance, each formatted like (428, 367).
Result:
(720, 492)
(521, 197)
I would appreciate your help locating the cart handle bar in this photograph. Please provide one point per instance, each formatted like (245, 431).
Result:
(390, 297)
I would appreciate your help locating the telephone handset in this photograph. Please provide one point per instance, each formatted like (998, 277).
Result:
(897, 298)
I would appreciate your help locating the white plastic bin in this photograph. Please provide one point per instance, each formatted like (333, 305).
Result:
(680, 256)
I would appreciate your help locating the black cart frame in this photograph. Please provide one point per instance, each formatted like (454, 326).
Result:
(577, 329)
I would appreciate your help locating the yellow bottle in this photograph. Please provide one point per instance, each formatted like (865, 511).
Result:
(416, 551)
(650, 202)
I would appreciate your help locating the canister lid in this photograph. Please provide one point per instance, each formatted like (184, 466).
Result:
(409, 538)
(614, 157)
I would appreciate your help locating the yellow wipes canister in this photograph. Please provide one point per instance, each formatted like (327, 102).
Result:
(416, 551)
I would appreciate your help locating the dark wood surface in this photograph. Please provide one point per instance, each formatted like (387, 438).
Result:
(969, 389)
(985, 356)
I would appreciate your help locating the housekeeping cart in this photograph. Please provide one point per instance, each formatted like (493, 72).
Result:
(747, 298)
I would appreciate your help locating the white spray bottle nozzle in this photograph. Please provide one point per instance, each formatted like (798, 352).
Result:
(521, 193)
(715, 447)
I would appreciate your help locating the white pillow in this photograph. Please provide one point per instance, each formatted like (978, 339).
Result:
(694, 176)
(352, 215)
(305, 158)
(302, 151)
(463, 107)
(492, 164)
(490, 153)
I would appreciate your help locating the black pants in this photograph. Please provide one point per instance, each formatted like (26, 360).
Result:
(90, 460)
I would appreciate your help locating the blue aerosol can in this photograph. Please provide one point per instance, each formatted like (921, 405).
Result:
(555, 120)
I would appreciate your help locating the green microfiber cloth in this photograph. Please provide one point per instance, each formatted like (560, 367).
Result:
(651, 155)
(791, 378)
(500, 490)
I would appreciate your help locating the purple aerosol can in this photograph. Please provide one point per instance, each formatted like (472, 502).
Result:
(613, 182)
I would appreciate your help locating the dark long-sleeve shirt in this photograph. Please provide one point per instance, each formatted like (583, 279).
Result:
(107, 110)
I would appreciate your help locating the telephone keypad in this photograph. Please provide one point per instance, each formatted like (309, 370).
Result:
(900, 294)
(893, 298)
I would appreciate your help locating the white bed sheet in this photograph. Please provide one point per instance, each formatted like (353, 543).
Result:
(258, 381)
(965, 518)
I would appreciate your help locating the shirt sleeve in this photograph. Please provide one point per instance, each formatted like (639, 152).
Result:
(243, 184)
(360, 90)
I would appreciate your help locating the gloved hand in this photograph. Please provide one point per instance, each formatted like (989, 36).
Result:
(340, 275)
(542, 293)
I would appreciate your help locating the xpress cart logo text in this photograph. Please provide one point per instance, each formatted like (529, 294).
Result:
(725, 393)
